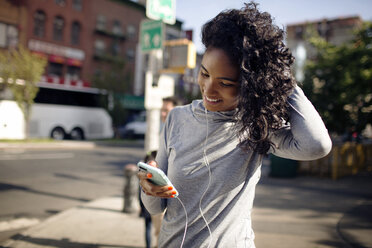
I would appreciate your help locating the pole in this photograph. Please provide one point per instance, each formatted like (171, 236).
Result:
(153, 100)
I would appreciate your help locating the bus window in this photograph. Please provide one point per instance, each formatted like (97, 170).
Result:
(75, 114)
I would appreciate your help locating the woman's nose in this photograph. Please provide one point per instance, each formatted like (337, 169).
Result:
(209, 87)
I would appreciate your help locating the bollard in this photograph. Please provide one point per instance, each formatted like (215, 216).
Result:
(131, 202)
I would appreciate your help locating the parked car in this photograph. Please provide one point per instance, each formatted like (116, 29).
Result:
(134, 129)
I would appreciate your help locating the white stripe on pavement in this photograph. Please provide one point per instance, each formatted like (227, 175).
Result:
(18, 223)
(36, 156)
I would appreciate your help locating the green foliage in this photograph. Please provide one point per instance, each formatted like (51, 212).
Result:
(339, 81)
(114, 79)
(21, 70)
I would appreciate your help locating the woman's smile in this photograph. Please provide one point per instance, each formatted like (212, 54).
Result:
(212, 100)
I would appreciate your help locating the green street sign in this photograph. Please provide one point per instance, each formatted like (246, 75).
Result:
(151, 35)
(161, 10)
(131, 101)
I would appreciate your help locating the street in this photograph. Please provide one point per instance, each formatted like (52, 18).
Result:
(301, 212)
(35, 184)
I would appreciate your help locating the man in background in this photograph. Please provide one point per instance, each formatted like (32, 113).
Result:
(168, 104)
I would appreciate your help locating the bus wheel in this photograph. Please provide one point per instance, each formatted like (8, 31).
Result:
(77, 134)
(58, 133)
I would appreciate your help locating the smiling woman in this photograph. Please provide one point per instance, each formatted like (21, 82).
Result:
(212, 149)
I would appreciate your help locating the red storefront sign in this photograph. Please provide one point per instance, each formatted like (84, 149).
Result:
(74, 62)
(57, 59)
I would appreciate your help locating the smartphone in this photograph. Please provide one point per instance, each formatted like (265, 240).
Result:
(158, 176)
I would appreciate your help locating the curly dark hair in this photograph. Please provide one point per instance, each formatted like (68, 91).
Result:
(255, 44)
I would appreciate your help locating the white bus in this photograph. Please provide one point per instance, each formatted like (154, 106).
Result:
(59, 112)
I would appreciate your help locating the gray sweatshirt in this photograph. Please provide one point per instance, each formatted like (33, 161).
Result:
(189, 132)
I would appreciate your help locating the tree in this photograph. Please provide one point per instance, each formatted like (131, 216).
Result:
(115, 80)
(113, 77)
(339, 81)
(20, 71)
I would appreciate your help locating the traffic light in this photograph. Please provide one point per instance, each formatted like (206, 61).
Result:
(178, 55)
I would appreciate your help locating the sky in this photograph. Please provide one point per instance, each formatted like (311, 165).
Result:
(194, 13)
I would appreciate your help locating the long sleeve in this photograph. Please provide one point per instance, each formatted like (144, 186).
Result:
(306, 137)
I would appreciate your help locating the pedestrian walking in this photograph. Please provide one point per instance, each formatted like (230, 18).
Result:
(212, 149)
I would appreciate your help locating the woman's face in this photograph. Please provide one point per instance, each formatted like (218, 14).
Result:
(218, 81)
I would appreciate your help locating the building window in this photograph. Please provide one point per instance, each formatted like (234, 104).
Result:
(299, 32)
(8, 35)
(61, 3)
(116, 28)
(97, 73)
(3, 39)
(101, 22)
(77, 5)
(55, 69)
(115, 48)
(12, 36)
(73, 72)
(319, 28)
(39, 23)
(99, 47)
(131, 31)
(130, 54)
(58, 25)
(75, 33)
(171, 36)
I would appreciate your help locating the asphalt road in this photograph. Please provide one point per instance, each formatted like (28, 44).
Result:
(38, 183)
(301, 212)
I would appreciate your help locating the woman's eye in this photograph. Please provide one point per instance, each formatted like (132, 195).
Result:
(204, 74)
(227, 84)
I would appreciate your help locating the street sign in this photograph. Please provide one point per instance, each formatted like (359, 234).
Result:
(151, 35)
(161, 10)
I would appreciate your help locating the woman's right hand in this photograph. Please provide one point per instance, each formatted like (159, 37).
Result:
(152, 189)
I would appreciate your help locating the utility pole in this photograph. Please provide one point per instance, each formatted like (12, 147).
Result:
(159, 82)
(153, 100)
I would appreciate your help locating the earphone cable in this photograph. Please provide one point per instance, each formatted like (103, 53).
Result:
(184, 234)
(206, 162)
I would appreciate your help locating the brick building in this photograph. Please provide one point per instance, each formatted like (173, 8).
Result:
(80, 38)
(336, 31)
(57, 29)
(115, 30)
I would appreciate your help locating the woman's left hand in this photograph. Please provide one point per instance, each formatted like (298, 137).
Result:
(152, 189)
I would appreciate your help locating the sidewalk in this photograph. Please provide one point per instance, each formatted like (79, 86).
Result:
(97, 224)
(310, 212)
(58, 144)
(303, 212)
